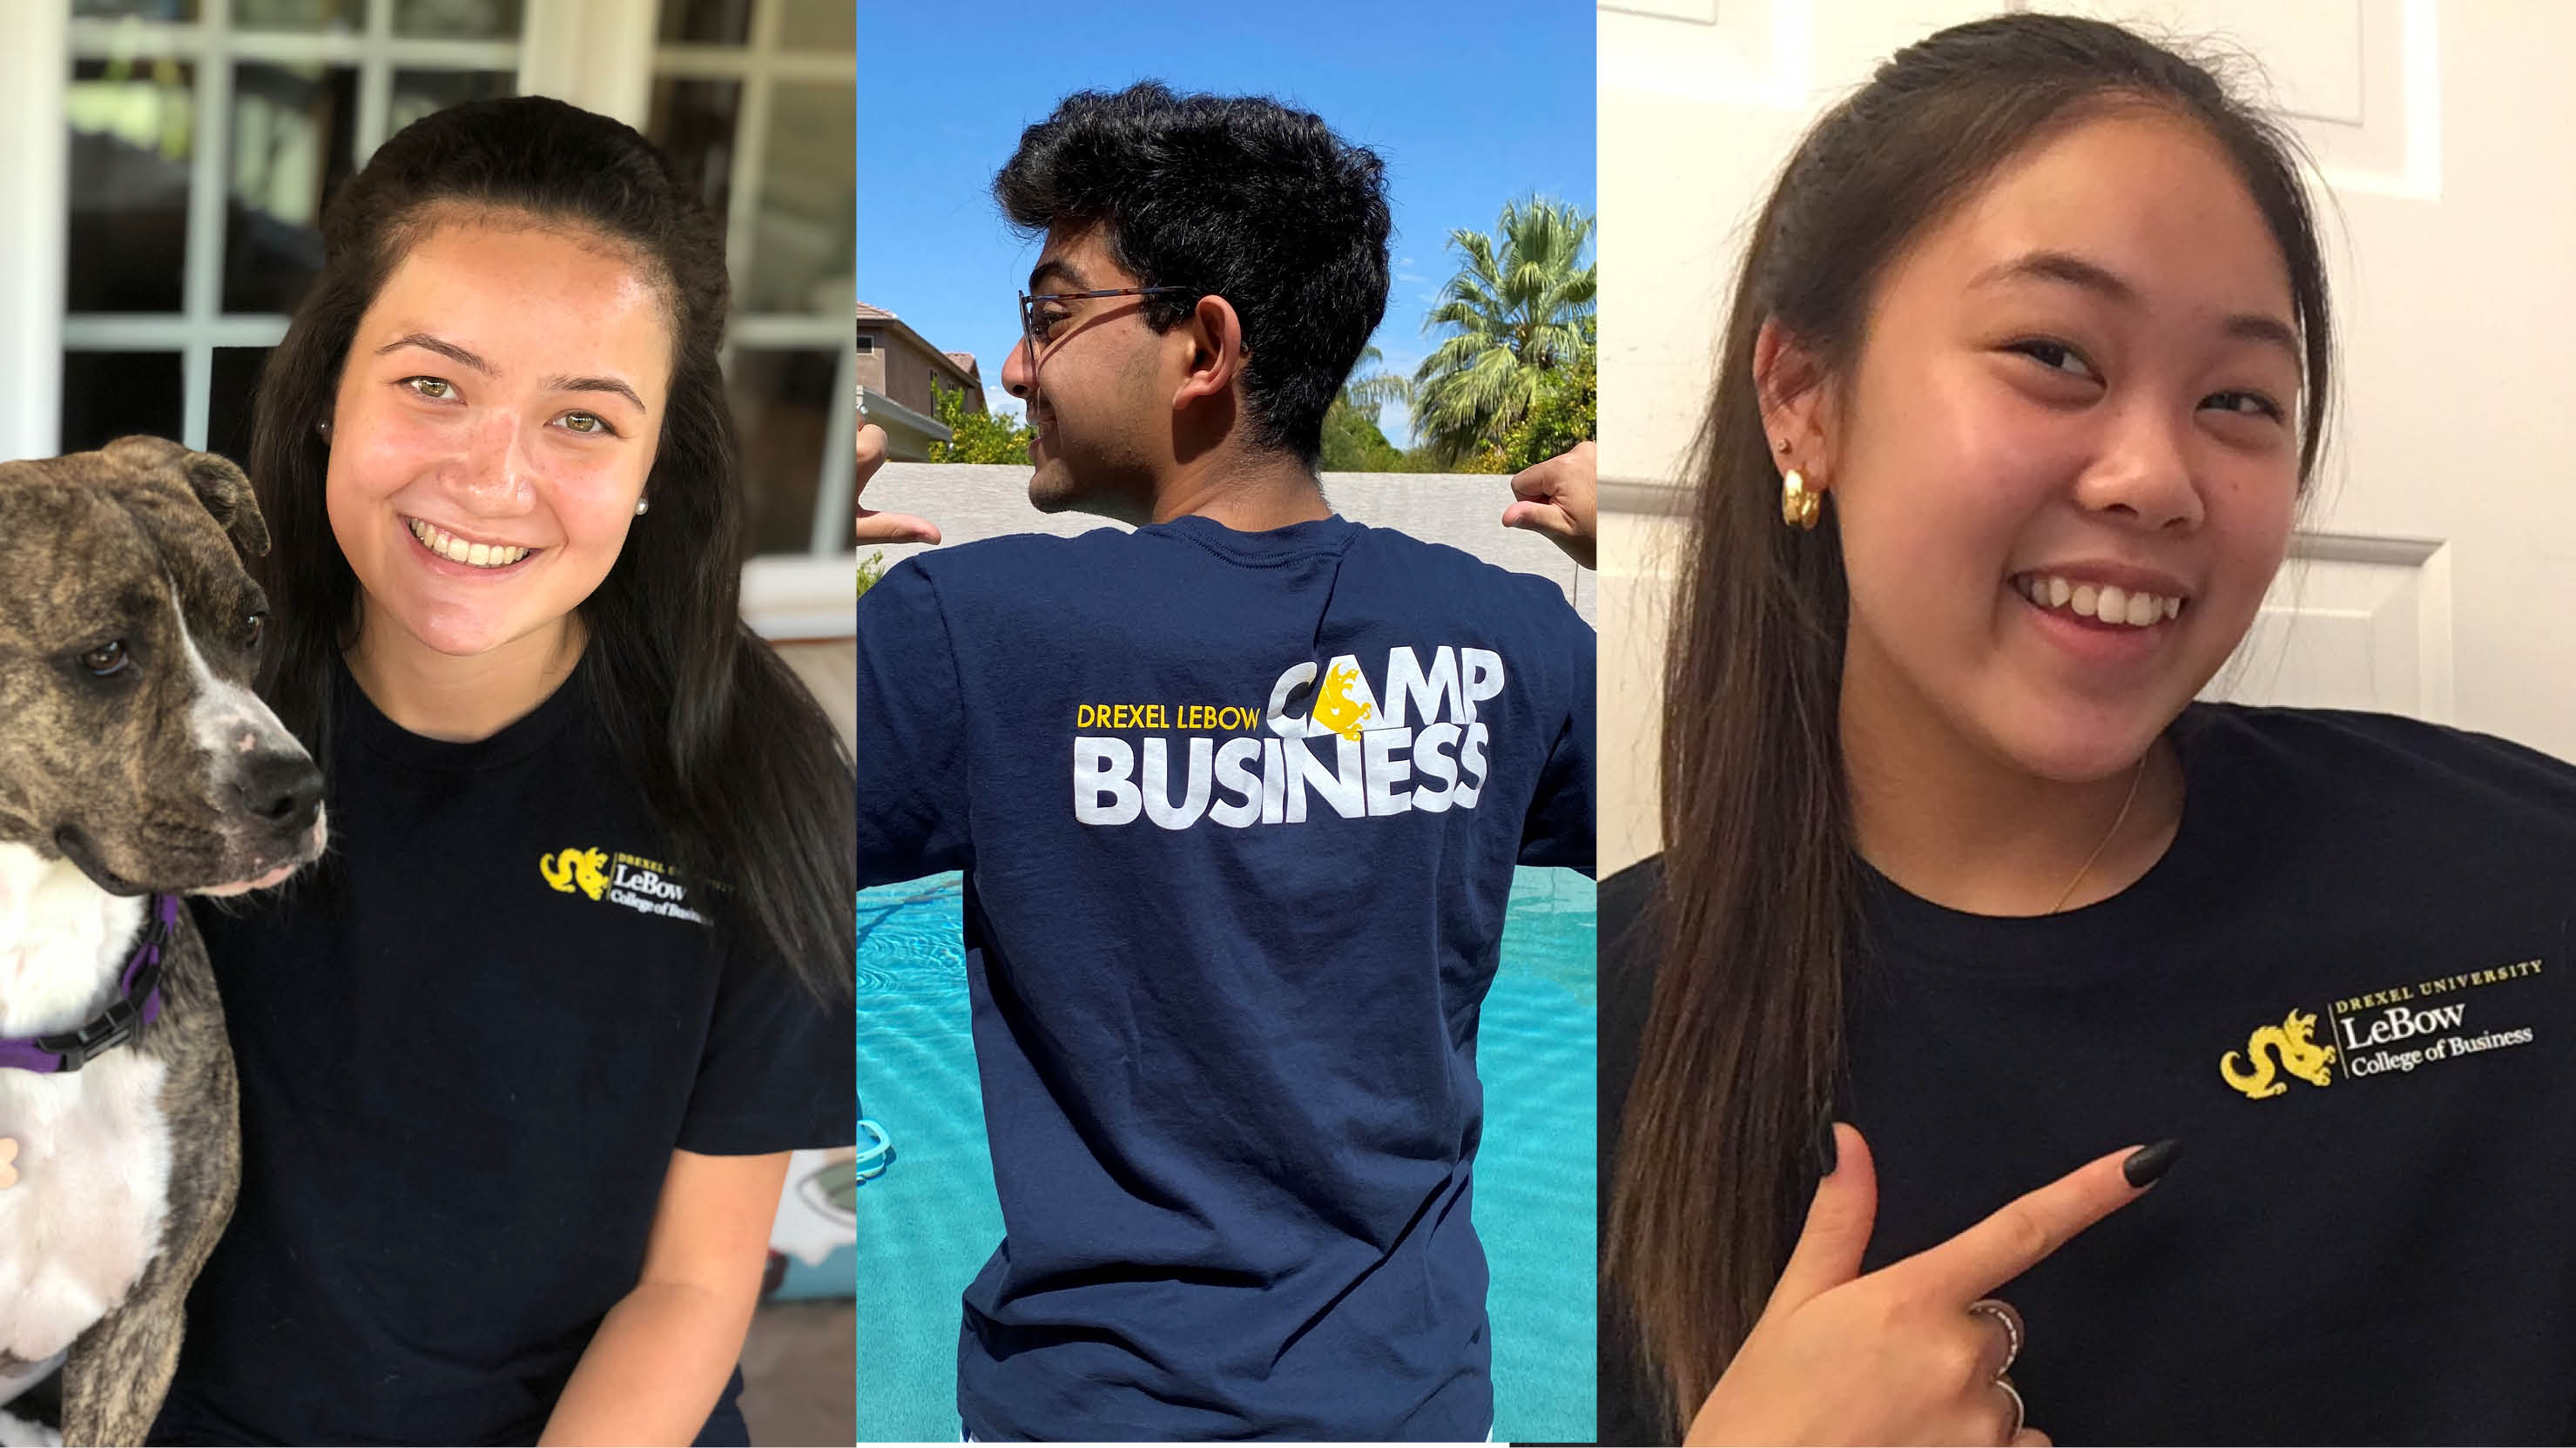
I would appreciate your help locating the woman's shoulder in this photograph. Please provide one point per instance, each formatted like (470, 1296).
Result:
(2378, 762)
(1627, 903)
(1631, 948)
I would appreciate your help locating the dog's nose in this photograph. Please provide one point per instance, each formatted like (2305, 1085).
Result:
(280, 789)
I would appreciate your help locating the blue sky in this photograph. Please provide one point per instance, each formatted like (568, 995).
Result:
(1470, 105)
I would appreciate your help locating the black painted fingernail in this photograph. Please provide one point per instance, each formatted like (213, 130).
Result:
(2150, 1162)
(1828, 1155)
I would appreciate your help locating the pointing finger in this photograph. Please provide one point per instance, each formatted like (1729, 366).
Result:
(895, 528)
(2028, 1229)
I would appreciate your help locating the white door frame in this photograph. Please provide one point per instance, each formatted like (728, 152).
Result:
(35, 156)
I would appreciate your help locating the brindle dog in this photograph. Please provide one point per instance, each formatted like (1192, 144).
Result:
(134, 762)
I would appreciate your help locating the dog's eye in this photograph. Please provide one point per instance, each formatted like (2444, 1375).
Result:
(254, 628)
(108, 658)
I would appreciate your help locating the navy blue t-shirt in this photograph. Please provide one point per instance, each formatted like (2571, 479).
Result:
(2344, 988)
(468, 1045)
(1238, 815)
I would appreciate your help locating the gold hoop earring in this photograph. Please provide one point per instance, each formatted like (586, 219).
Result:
(1798, 502)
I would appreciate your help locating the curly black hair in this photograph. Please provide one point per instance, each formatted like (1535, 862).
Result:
(1231, 196)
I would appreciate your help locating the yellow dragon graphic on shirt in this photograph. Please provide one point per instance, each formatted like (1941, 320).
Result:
(568, 870)
(2292, 1049)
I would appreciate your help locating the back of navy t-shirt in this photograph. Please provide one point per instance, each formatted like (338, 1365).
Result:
(1238, 815)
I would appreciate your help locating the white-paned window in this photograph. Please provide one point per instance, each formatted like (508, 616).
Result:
(757, 101)
(205, 136)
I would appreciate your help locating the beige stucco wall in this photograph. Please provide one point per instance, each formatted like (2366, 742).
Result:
(970, 501)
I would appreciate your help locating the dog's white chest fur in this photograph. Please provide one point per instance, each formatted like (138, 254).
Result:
(86, 1214)
(93, 1186)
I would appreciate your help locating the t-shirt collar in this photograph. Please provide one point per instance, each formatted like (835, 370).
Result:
(359, 721)
(1317, 535)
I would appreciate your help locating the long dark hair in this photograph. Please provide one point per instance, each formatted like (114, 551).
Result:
(738, 762)
(1758, 910)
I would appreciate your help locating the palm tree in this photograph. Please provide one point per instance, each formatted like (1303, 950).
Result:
(1366, 394)
(1352, 439)
(1521, 308)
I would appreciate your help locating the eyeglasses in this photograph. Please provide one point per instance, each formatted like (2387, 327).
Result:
(1029, 311)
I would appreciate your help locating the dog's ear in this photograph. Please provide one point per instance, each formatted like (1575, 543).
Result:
(222, 487)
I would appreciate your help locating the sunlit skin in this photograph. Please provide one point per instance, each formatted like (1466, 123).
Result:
(2090, 368)
(1138, 425)
(507, 385)
(876, 525)
(1556, 499)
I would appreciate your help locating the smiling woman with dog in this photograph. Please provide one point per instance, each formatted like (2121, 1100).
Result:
(2006, 1045)
(521, 1058)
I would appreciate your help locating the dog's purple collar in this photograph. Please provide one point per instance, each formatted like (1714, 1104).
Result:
(137, 1004)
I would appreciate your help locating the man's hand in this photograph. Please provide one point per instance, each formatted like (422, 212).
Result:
(8, 1163)
(875, 527)
(1555, 499)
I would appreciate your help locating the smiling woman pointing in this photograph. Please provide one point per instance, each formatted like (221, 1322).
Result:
(1972, 926)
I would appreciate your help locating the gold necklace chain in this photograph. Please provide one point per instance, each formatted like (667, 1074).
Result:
(2116, 821)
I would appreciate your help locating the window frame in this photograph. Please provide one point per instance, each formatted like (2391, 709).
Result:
(211, 46)
(813, 586)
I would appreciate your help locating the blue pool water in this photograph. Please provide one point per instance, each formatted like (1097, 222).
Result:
(926, 1226)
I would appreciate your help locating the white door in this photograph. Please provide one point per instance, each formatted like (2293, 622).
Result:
(2435, 571)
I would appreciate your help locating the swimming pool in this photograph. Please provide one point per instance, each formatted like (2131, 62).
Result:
(927, 1224)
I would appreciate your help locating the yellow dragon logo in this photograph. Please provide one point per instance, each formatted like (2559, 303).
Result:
(585, 870)
(1335, 709)
(2292, 1050)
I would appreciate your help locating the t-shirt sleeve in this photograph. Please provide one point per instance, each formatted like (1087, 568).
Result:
(911, 741)
(778, 1072)
(1560, 829)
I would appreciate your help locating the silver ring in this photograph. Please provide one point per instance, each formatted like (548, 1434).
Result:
(2021, 1415)
(2002, 1312)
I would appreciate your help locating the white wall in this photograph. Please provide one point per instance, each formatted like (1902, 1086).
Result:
(2437, 564)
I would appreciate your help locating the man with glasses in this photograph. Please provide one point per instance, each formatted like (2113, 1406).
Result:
(1238, 795)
